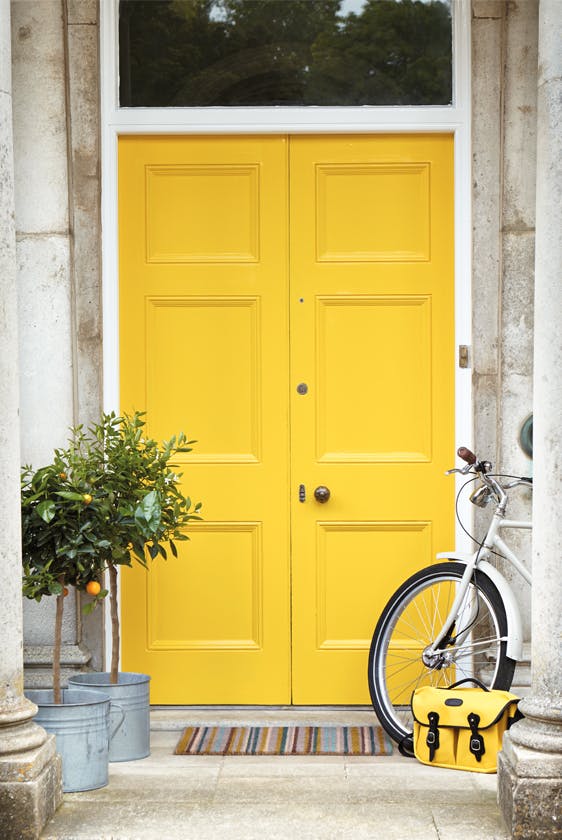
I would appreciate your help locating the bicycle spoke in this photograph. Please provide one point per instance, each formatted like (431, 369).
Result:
(491, 642)
(426, 626)
(422, 642)
(435, 594)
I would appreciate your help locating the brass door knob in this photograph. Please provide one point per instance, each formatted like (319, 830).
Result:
(322, 494)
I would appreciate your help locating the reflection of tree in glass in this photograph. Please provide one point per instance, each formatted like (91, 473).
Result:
(268, 47)
(390, 54)
(284, 52)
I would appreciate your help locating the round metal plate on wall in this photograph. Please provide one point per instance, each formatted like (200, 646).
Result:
(526, 436)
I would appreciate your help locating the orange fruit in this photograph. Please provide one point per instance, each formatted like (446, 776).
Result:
(62, 475)
(93, 587)
(65, 591)
(87, 498)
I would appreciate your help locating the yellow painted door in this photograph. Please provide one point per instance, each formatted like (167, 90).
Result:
(372, 332)
(289, 303)
(203, 324)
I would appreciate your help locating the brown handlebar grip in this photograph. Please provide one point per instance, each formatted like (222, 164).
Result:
(466, 455)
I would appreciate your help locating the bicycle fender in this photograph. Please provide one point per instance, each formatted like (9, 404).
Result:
(514, 623)
(514, 648)
(454, 555)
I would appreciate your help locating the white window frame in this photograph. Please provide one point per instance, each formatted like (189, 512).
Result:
(454, 119)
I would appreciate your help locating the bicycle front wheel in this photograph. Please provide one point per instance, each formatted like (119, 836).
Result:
(474, 646)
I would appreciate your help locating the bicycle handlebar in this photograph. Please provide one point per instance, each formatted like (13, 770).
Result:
(466, 455)
(481, 468)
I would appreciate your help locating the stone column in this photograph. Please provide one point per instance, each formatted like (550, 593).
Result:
(530, 767)
(30, 773)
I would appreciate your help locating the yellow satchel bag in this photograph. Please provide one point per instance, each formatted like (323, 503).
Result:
(462, 728)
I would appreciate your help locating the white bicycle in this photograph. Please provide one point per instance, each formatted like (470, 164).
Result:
(452, 620)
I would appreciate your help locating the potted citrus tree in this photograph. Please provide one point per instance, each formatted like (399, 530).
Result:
(140, 513)
(61, 548)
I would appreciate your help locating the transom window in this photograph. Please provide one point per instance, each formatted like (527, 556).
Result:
(204, 53)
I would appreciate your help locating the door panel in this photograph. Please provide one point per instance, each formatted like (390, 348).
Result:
(232, 295)
(203, 266)
(353, 332)
(372, 324)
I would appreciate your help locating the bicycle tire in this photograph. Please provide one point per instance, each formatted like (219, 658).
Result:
(488, 658)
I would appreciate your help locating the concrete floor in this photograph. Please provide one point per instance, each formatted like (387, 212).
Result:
(260, 798)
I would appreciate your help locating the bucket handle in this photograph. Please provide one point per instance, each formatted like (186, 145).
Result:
(120, 723)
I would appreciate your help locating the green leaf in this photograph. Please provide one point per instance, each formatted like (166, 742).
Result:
(68, 494)
(149, 511)
(173, 548)
(46, 511)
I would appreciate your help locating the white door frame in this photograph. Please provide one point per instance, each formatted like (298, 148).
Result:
(454, 119)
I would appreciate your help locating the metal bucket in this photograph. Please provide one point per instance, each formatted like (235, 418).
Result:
(81, 727)
(132, 694)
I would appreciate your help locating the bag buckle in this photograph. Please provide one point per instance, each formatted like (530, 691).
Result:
(432, 740)
(476, 745)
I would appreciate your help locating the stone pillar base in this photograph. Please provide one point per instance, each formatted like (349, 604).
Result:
(530, 791)
(30, 790)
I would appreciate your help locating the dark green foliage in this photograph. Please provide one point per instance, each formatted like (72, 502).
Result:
(391, 54)
(111, 497)
(284, 52)
(107, 496)
(60, 541)
(136, 491)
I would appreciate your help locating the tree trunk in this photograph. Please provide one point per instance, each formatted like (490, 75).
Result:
(114, 625)
(57, 695)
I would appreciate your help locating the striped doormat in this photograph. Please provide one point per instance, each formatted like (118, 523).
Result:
(284, 740)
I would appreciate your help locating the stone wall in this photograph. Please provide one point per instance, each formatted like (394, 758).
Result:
(57, 187)
(504, 100)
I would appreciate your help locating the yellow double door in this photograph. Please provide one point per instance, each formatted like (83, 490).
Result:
(288, 302)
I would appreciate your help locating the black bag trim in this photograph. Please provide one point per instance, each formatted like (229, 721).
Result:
(432, 740)
(476, 745)
(517, 716)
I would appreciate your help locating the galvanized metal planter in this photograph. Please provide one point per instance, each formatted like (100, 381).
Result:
(81, 727)
(131, 740)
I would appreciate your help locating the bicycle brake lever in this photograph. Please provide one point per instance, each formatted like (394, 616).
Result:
(461, 471)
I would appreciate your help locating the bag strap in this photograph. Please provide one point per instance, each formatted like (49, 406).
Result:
(432, 740)
(477, 747)
(470, 680)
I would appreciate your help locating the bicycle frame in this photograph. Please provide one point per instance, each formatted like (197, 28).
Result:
(478, 560)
